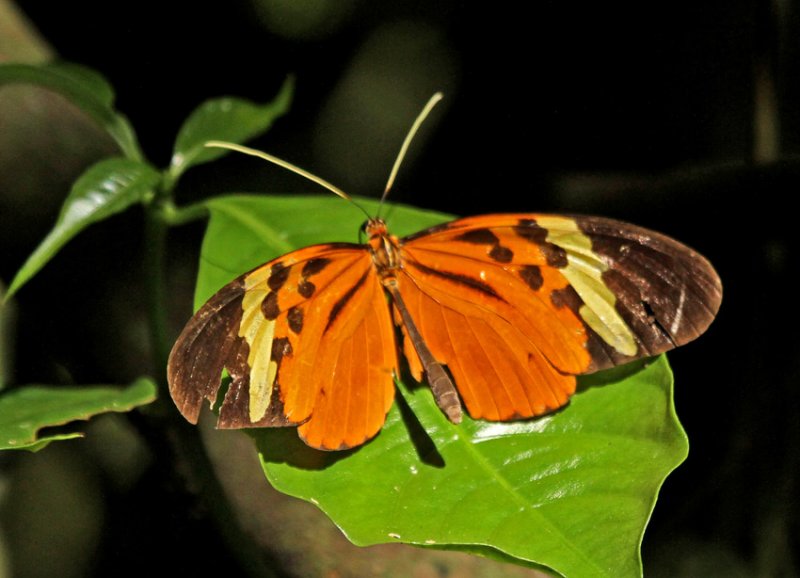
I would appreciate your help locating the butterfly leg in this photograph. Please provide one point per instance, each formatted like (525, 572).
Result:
(444, 392)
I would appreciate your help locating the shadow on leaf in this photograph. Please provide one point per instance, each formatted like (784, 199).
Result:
(423, 444)
(613, 375)
(283, 446)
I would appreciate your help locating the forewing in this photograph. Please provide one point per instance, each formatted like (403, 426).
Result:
(281, 331)
(516, 305)
(356, 361)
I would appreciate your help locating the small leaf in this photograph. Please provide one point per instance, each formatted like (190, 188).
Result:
(26, 410)
(571, 491)
(86, 89)
(227, 119)
(106, 188)
(92, 81)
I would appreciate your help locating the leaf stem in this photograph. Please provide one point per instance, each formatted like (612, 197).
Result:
(175, 216)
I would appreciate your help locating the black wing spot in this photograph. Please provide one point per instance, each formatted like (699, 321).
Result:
(306, 288)
(479, 237)
(269, 306)
(314, 266)
(532, 275)
(280, 347)
(566, 297)
(501, 254)
(554, 255)
(295, 319)
(278, 276)
(531, 231)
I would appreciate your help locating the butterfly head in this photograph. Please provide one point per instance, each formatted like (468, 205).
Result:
(374, 227)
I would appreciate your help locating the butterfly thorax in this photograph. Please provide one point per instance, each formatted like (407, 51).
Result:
(383, 247)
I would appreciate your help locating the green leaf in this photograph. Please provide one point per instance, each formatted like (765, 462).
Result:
(106, 188)
(245, 230)
(86, 89)
(93, 82)
(7, 318)
(26, 410)
(227, 119)
(571, 491)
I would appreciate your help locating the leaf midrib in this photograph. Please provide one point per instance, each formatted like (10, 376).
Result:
(479, 458)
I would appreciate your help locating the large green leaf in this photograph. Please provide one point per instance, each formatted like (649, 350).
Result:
(226, 119)
(572, 491)
(106, 188)
(86, 89)
(26, 410)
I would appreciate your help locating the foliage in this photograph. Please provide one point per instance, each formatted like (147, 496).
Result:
(24, 411)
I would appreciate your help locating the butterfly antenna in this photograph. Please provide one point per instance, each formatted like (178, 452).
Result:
(287, 165)
(413, 131)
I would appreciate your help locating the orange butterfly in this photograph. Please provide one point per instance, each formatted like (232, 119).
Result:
(513, 305)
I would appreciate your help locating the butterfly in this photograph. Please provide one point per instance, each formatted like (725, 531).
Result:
(498, 313)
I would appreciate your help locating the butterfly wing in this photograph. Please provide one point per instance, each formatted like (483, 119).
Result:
(517, 305)
(307, 340)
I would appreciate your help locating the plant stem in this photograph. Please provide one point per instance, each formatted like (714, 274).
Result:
(185, 448)
(155, 238)
(159, 216)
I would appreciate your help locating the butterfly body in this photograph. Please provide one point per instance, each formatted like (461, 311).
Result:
(383, 247)
(514, 306)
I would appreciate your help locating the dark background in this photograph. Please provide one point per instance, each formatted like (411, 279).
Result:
(680, 116)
